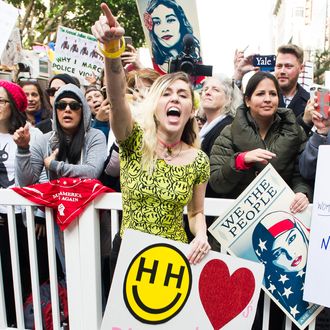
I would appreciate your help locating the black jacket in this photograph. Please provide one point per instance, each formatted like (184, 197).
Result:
(285, 138)
(298, 105)
(299, 101)
(207, 145)
(211, 136)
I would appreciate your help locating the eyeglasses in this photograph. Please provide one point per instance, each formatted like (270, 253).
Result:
(74, 106)
(51, 91)
(3, 102)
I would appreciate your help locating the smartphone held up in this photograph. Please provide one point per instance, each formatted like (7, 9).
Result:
(322, 96)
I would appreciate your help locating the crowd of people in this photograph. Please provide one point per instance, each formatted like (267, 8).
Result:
(159, 142)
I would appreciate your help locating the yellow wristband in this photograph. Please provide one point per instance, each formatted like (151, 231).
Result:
(115, 54)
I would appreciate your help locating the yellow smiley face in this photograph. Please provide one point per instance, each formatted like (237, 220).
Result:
(157, 283)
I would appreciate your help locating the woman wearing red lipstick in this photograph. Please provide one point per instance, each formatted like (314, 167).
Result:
(167, 25)
(161, 167)
(280, 242)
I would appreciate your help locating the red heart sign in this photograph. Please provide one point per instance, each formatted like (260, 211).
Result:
(223, 296)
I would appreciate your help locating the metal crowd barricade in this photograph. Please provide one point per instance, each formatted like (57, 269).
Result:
(82, 259)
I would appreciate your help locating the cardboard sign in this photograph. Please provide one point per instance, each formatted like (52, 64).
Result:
(8, 17)
(165, 24)
(13, 51)
(259, 227)
(317, 286)
(155, 287)
(76, 54)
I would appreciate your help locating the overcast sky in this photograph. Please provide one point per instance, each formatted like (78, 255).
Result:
(227, 25)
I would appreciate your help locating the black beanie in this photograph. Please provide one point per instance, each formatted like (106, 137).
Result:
(66, 78)
(69, 94)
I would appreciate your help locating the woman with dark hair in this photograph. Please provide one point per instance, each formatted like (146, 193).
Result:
(13, 104)
(72, 149)
(39, 108)
(260, 133)
(162, 168)
(167, 25)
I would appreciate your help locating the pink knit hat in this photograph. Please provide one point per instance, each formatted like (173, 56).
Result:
(17, 94)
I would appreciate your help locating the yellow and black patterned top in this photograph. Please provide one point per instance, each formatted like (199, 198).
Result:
(153, 203)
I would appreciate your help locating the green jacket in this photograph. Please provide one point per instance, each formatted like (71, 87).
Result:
(285, 138)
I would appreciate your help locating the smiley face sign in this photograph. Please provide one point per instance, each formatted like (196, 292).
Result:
(157, 283)
(155, 287)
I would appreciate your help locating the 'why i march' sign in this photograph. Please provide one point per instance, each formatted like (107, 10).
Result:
(76, 54)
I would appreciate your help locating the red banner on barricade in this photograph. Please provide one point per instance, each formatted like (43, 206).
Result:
(67, 196)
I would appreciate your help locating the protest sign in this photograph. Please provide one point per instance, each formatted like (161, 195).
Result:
(155, 287)
(317, 286)
(76, 54)
(13, 50)
(260, 227)
(165, 24)
(8, 15)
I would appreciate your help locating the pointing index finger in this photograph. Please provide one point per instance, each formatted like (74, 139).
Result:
(108, 14)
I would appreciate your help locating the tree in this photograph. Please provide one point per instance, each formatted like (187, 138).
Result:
(39, 22)
(322, 64)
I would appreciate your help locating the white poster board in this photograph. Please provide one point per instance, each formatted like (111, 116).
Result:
(76, 54)
(155, 287)
(260, 227)
(317, 285)
(8, 17)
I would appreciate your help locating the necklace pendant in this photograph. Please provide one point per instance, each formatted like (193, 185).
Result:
(169, 151)
(168, 155)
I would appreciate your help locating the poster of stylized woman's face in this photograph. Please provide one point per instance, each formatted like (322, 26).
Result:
(166, 26)
(166, 23)
(290, 251)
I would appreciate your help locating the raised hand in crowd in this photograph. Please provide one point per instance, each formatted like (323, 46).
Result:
(308, 113)
(242, 64)
(22, 136)
(103, 111)
(92, 79)
(322, 124)
(130, 58)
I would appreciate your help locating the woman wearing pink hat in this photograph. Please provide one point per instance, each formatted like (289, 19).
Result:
(13, 104)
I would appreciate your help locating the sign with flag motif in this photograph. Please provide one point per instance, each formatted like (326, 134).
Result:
(260, 227)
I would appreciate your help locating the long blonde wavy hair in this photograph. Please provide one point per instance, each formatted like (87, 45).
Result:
(144, 115)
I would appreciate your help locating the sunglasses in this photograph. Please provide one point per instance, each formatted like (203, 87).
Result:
(74, 106)
(51, 91)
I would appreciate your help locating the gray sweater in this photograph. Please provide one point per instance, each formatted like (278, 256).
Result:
(30, 161)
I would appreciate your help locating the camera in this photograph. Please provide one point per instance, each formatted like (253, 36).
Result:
(264, 62)
(186, 62)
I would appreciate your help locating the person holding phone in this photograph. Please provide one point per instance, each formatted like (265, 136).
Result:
(130, 57)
